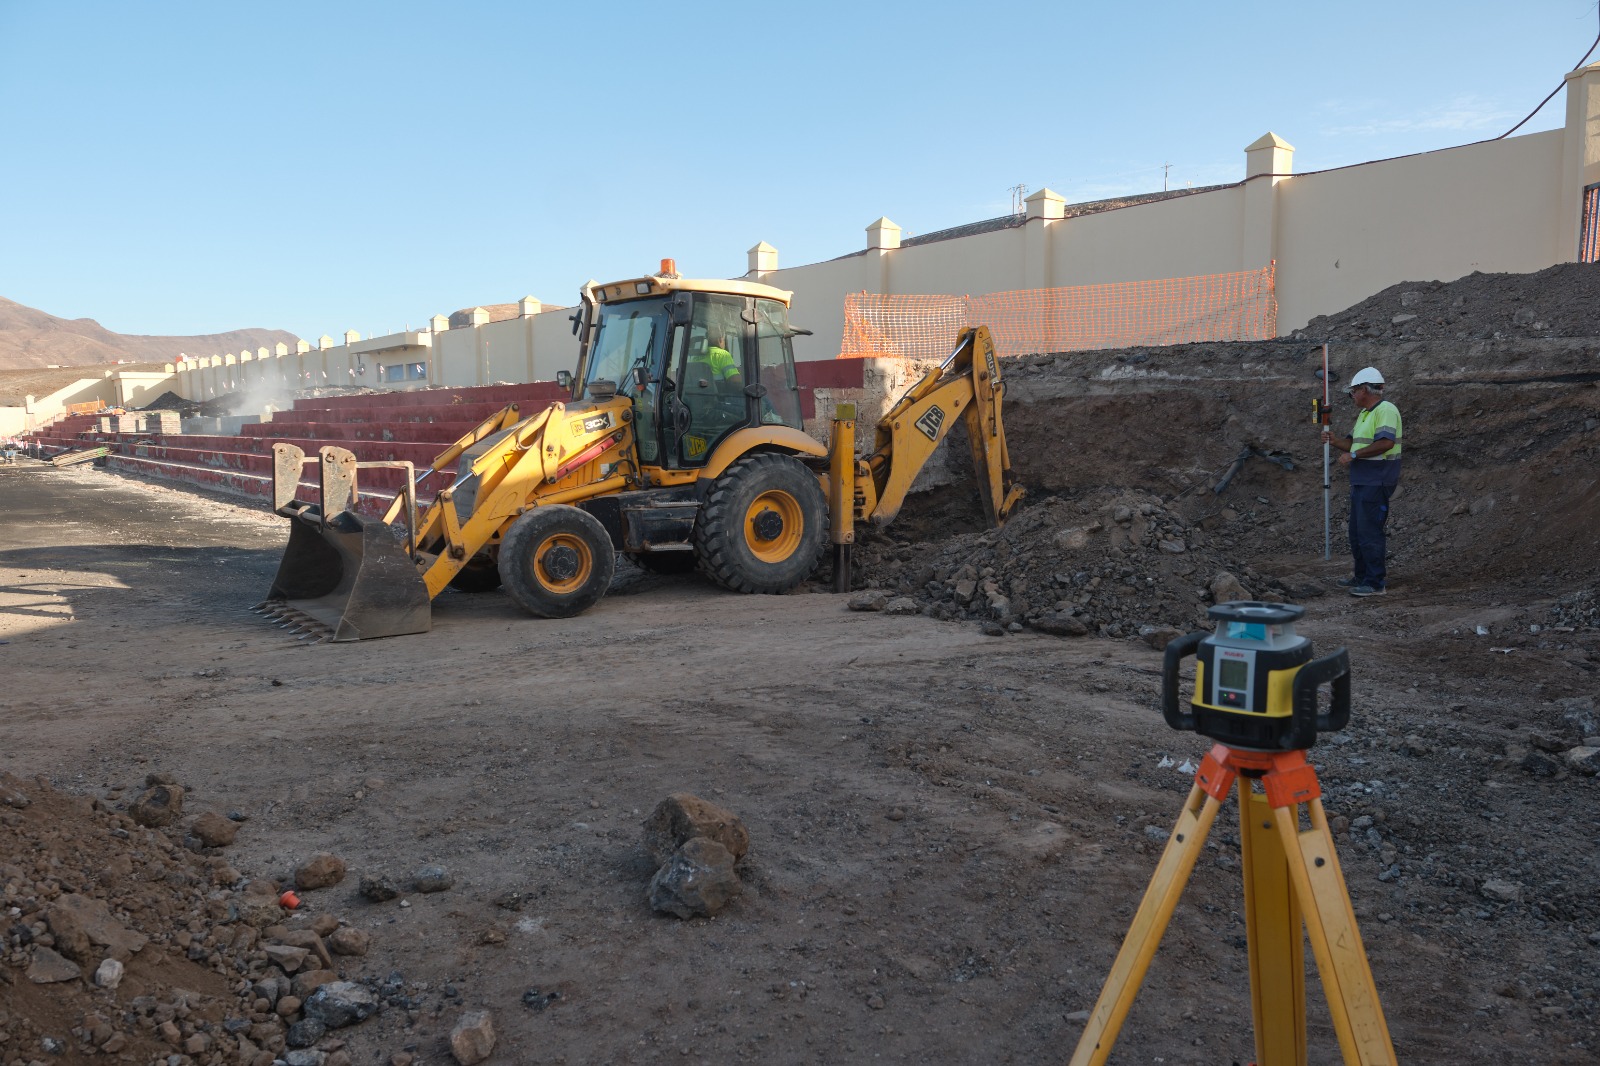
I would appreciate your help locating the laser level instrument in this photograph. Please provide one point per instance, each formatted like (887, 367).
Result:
(1256, 692)
(1255, 684)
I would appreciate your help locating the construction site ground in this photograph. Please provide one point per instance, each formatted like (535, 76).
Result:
(950, 829)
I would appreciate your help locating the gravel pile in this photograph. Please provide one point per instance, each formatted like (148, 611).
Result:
(1579, 610)
(1115, 563)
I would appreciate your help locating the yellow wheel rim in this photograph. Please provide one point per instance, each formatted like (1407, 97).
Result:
(774, 526)
(563, 563)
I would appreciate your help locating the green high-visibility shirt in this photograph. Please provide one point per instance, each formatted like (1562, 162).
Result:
(1382, 422)
(722, 362)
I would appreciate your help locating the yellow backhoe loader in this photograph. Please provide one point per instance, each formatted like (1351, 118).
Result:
(682, 447)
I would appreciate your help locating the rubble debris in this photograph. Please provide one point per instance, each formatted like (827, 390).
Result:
(148, 955)
(1112, 563)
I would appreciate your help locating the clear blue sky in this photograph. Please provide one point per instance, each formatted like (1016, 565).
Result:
(178, 168)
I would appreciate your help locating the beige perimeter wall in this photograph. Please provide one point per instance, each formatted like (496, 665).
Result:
(1337, 237)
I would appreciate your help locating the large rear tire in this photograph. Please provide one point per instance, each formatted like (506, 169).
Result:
(763, 526)
(556, 561)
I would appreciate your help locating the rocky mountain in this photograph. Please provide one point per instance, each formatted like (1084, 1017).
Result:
(33, 338)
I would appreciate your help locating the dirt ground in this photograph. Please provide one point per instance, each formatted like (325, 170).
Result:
(950, 830)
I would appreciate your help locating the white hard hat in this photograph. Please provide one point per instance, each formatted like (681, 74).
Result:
(1365, 376)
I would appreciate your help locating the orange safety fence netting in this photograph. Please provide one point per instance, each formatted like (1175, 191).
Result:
(1211, 307)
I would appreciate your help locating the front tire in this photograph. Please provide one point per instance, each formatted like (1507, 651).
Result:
(556, 561)
(763, 526)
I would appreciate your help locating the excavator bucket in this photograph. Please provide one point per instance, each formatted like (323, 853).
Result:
(343, 576)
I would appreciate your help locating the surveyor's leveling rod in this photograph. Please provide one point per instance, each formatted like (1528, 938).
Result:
(1325, 416)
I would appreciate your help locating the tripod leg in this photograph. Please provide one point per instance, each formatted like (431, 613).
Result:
(1273, 931)
(1331, 922)
(1144, 935)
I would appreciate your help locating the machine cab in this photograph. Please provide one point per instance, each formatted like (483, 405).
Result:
(698, 359)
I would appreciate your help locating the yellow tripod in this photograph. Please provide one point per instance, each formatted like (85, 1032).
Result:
(1291, 876)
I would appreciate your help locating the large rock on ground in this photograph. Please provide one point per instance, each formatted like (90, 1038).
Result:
(683, 816)
(696, 881)
(48, 968)
(347, 940)
(433, 879)
(1578, 717)
(1584, 760)
(85, 930)
(214, 830)
(1225, 588)
(472, 1039)
(1060, 625)
(159, 806)
(319, 871)
(340, 1003)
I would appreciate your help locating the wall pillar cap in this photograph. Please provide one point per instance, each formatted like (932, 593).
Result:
(762, 258)
(528, 306)
(1046, 204)
(1268, 155)
(883, 234)
(439, 323)
(1573, 75)
(480, 316)
(1268, 140)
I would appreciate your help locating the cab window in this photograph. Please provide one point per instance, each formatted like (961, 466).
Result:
(633, 336)
(710, 376)
(775, 366)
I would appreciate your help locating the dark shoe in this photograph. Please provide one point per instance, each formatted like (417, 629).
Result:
(1347, 582)
(1366, 590)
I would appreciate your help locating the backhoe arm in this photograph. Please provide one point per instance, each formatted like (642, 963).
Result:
(968, 384)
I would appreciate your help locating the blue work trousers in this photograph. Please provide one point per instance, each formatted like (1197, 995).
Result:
(1369, 510)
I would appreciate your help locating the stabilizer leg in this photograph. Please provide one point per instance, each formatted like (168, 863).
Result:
(1275, 938)
(1149, 924)
(1335, 941)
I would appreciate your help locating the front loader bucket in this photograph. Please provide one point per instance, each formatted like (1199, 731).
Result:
(352, 579)
(344, 577)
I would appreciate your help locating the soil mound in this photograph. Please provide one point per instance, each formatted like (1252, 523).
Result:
(1559, 301)
(1113, 563)
(171, 401)
(136, 942)
(1498, 486)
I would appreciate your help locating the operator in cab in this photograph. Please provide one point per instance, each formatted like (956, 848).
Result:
(724, 367)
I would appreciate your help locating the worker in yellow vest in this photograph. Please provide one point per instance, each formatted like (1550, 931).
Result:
(724, 367)
(1372, 452)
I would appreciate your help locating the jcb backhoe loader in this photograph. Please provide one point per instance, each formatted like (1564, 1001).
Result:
(682, 447)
